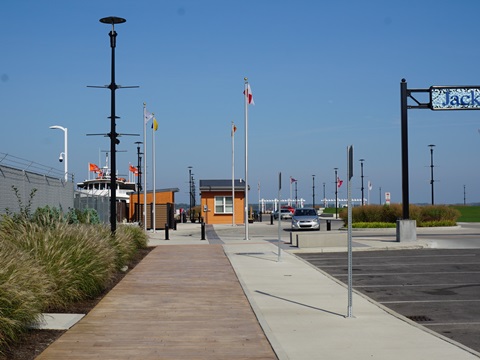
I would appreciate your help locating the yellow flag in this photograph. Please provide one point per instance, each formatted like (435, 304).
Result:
(155, 124)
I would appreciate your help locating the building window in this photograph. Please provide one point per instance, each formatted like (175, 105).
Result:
(223, 205)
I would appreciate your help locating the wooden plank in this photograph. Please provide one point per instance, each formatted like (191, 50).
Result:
(181, 301)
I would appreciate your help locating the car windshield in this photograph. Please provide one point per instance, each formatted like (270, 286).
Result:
(305, 212)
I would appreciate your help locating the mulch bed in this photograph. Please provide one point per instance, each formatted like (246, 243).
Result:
(35, 341)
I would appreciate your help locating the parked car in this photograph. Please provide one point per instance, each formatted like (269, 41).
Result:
(284, 214)
(291, 209)
(305, 218)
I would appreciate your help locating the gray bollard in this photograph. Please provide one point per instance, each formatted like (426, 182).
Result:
(203, 231)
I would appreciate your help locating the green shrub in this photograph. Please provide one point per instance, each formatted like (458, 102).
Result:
(49, 216)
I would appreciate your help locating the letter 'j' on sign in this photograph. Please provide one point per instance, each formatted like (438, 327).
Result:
(455, 97)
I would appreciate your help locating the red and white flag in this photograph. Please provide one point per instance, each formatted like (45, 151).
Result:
(248, 95)
(234, 128)
(339, 182)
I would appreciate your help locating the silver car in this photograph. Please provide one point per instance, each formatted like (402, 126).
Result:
(305, 218)
(284, 214)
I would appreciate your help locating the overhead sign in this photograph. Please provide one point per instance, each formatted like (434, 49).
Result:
(455, 97)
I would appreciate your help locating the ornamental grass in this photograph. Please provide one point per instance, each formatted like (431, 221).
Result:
(25, 290)
(47, 264)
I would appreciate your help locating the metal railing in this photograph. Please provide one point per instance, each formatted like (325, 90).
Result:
(31, 166)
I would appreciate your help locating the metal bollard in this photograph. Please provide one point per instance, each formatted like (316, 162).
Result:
(329, 225)
(271, 219)
(166, 232)
(203, 231)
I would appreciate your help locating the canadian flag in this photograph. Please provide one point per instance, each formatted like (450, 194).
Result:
(339, 182)
(248, 95)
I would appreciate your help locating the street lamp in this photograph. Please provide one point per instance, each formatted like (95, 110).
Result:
(190, 190)
(361, 174)
(336, 193)
(324, 198)
(63, 158)
(112, 20)
(431, 146)
(313, 191)
(139, 179)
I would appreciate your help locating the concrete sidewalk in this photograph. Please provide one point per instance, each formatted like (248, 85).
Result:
(303, 311)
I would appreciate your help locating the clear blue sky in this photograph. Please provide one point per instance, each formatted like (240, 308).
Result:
(324, 75)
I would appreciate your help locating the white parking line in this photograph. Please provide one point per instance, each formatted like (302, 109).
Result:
(410, 273)
(401, 264)
(414, 285)
(426, 301)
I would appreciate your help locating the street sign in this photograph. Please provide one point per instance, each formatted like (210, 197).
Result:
(455, 97)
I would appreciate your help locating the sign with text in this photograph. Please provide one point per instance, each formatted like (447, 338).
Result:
(455, 97)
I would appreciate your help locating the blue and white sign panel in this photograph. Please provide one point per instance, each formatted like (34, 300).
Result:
(455, 97)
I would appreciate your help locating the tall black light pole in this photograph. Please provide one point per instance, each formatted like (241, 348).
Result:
(464, 196)
(112, 20)
(361, 175)
(313, 191)
(431, 146)
(139, 179)
(336, 193)
(190, 190)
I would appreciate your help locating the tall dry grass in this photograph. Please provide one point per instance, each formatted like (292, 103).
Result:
(25, 290)
(48, 264)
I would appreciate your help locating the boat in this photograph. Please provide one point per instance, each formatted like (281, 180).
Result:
(99, 185)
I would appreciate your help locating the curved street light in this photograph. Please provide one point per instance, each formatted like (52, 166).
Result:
(65, 152)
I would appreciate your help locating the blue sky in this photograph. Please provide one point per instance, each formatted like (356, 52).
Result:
(324, 75)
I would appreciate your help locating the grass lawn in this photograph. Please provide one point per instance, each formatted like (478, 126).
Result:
(469, 213)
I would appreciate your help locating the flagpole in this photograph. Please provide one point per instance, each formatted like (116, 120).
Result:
(233, 174)
(154, 181)
(289, 199)
(144, 168)
(154, 176)
(246, 158)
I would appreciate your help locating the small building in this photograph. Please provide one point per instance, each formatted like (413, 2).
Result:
(164, 208)
(216, 197)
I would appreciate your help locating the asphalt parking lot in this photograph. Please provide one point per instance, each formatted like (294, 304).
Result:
(437, 288)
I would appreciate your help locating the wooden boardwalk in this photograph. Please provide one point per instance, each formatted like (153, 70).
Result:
(180, 302)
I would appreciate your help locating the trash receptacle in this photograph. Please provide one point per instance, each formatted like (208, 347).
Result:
(329, 225)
